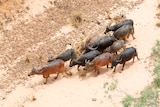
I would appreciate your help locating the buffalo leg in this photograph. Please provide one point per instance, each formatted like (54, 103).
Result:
(78, 68)
(46, 80)
(96, 71)
(56, 76)
(123, 66)
(133, 36)
(70, 62)
(137, 55)
(107, 65)
(133, 58)
(114, 69)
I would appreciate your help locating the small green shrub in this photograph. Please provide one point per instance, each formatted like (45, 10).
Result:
(157, 82)
(110, 86)
(156, 55)
(156, 49)
(127, 101)
(148, 98)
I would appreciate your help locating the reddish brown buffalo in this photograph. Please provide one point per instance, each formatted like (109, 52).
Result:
(53, 67)
(99, 61)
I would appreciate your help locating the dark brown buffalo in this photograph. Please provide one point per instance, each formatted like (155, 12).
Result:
(89, 42)
(116, 46)
(118, 25)
(124, 32)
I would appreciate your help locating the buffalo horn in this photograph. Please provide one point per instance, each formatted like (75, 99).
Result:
(119, 60)
(90, 48)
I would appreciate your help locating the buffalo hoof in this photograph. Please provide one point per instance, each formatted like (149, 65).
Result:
(55, 77)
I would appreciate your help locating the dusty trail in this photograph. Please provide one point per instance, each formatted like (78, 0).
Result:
(90, 92)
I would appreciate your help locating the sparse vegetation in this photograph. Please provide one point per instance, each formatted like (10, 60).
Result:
(108, 14)
(76, 19)
(158, 5)
(149, 96)
(69, 73)
(119, 17)
(110, 86)
(33, 98)
(83, 73)
(158, 24)
(27, 59)
(127, 101)
(156, 54)
(40, 57)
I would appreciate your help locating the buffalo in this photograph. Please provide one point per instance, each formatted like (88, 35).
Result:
(99, 61)
(101, 44)
(124, 32)
(118, 25)
(116, 46)
(65, 56)
(124, 56)
(89, 42)
(84, 58)
(55, 66)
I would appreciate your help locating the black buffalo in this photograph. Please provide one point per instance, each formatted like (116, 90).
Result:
(65, 56)
(101, 44)
(84, 59)
(124, 56)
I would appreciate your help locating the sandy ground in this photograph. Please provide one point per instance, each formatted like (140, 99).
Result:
(74, 91)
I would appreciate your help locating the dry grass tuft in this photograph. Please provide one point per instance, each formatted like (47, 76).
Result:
(119, 17)
(76, 19)
(108, 14)
(158, 6)
(158, 15)
(27, 59)
(82, 73)
(77, 49)
(40, 57)
(158, 24)
(34, 98)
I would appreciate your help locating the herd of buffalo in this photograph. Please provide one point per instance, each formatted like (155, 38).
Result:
(96, 52)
